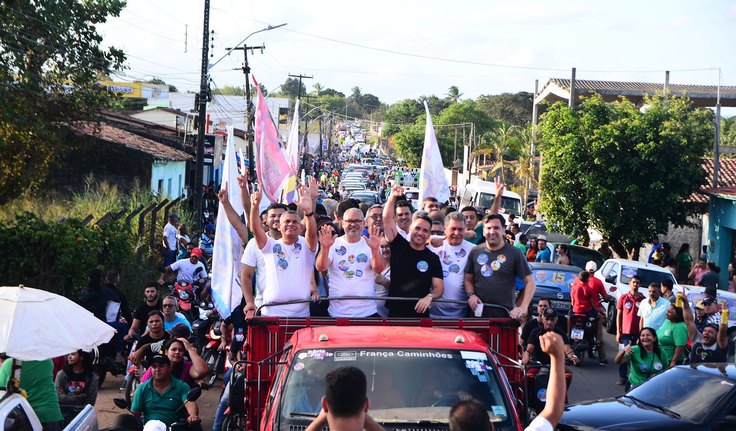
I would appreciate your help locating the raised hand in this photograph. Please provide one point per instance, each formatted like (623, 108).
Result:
(222, 194)
(313, 187)
(243, 180)
(500, 187)
(305, 200)
(325, 237)
(255, 199)
(374, 241)
(397, 191)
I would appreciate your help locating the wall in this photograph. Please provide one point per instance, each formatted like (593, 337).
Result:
(723, 223)
(163, 170)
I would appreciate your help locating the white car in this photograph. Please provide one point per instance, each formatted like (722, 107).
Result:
(616, 274)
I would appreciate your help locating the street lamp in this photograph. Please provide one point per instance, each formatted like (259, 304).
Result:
(248, 111)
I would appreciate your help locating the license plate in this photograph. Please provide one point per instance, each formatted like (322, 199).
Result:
(560, 305)
(576, 334)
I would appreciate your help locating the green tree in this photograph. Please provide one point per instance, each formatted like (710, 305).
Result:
(405, 112)
(453, 94)
(502, 143)
(409, 141)
(331, 92)
(230, 90)
(463, 112)
(49, 61)
(728, 132)
(524, 170)
(625, 171)
(291, 88)
(317, 88)
(356, 93)
(514, 108)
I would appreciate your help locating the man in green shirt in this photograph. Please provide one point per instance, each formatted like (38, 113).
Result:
(161, 397)
(37, 379)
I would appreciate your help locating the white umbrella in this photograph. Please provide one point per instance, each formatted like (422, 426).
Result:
(36, 325)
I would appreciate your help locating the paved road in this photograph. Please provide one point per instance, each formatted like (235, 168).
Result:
(592, 381)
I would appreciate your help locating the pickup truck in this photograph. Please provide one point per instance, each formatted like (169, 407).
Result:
(416, 369)
(17, 415)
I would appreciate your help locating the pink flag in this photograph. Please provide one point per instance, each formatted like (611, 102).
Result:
(272, 166)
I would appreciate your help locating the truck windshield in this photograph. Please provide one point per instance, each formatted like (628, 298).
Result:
(404, 385)
(509, 204)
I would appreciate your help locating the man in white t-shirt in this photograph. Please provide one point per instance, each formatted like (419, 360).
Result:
(352, 262)
(190, 270)
(289, 261)
(169, 243)
(453, 254)
(253, 262)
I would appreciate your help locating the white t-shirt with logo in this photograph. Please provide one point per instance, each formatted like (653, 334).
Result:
(453, 259)
(254, 258)
(288, 270)
(351, 274)
(189, 271)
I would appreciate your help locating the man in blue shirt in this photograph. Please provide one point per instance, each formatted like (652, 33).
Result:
(544, 254)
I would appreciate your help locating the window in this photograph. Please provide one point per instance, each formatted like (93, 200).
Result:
(179, 190)
(17, 420)
(168, 187)
(160, 188)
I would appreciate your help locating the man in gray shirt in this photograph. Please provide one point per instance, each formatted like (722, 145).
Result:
(491, 271)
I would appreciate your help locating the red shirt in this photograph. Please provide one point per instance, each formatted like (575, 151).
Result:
(599, 291)
(628, 305)
(582, 297)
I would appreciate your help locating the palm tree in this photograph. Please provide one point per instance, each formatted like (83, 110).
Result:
(453, 94)
(501, 142)
(317, 88)
(357, 94)
(525, 171)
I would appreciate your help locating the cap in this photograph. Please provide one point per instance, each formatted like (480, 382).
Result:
(196, 251)
(160, 359)
(154, 425)
(541, 238)
(174, 216)
(711, 325)
(591, 266)
(708, 300)
(209, 227)
(699, 305)
(549, 312)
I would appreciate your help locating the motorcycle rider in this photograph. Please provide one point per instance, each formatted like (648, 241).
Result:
(170, 307)
(117, 312)
(599, 295)
(160, 397)
(533, 351)
(191, 269)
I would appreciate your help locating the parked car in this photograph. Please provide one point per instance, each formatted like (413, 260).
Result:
(687, 397)
(616, 274)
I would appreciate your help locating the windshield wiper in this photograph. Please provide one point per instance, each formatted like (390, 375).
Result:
(302, 415)
(414, 422)
(662, 409)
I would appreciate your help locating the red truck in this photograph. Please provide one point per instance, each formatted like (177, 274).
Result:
(416, 369)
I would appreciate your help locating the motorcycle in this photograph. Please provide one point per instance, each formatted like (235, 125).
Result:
(183, 291)
(201, 326)
(129, 422)
(536, 379)
(132, 378)
(582, 336)
(212, 355)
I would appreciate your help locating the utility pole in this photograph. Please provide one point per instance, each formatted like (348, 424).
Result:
(202, 112)
(299, 97)
(249, 114)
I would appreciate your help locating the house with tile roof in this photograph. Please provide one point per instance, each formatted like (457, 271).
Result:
(121, 157)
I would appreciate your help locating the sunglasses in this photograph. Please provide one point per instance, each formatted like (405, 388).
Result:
(168, 305)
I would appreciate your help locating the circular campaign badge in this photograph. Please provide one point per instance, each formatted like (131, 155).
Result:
(342, 265)
(362, 258)
(422, 266)
(495, 265)
(454, 268)
(277, 248)
(501, 258)
(460, 253)
(282, 263)
(482, 259)
(341, 251)
(486, 271)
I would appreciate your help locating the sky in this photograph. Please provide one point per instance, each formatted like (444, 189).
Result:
(406, 49)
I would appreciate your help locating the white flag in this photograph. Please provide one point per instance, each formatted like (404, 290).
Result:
(292, 143)
(432, 179)
(228, 247)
